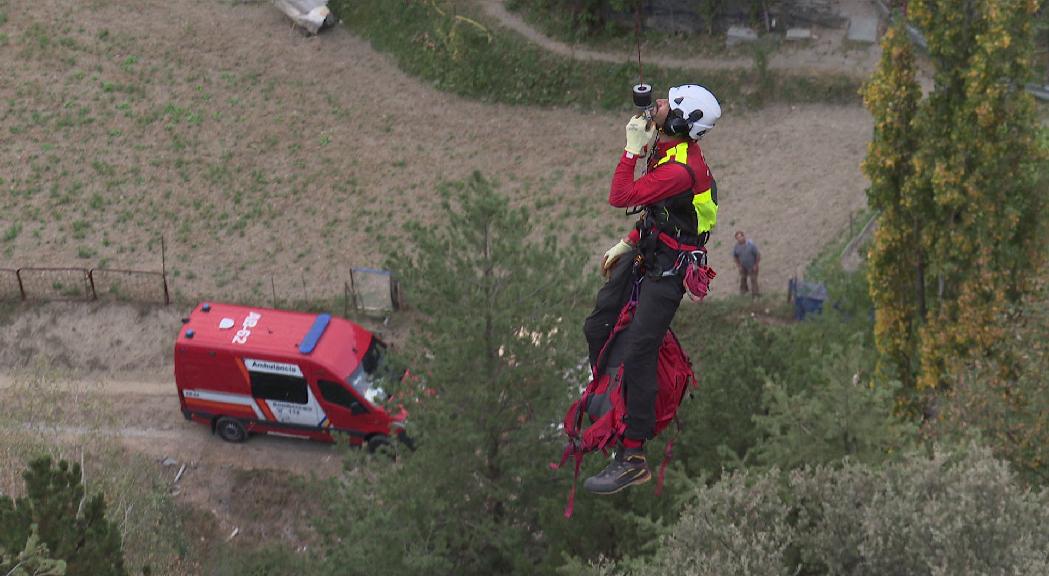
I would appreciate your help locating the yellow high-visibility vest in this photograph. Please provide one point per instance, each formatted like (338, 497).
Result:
(704, 203)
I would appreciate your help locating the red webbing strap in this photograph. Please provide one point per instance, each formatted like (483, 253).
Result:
(573, 449)
(570, 507)
(564, 458)
(675, 245)
(668, 453)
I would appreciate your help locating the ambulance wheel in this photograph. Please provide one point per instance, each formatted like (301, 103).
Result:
(230, 430)
(378, 444)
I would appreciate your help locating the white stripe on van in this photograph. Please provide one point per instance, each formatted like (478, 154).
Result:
(228, 398)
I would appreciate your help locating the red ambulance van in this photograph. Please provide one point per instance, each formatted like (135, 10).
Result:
(243, 369)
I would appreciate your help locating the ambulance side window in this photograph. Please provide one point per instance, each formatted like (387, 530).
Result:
(279, 387)
(337, 394)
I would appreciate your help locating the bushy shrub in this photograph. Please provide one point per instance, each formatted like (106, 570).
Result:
(961, 513)
(271, 560)
(738, 526)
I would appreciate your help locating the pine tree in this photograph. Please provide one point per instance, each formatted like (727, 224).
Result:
(33, 560)
(896, 260)
(497, 327)
(839, 415)
(85, 540)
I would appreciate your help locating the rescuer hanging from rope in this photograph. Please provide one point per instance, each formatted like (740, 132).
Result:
(655, 263)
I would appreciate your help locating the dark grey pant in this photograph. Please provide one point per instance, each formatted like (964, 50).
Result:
(638, 345)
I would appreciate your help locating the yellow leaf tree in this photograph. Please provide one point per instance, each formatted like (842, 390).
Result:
(969, 192)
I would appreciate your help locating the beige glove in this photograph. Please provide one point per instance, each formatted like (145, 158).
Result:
(608, 261)
(639, 133)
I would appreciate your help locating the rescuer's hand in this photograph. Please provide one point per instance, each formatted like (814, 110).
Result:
(639, 133)
(608, 261)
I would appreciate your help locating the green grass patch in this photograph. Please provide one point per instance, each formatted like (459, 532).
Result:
(12, 231)
(447, 46)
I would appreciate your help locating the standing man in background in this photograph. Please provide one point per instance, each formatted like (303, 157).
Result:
(747, 257)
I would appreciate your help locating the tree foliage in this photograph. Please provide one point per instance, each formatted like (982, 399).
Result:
(840, 414)
(962, 513)
(962, 219)
(72, 526)
(895, 263)
(498, 324)
(33, 560)
(1006, 407)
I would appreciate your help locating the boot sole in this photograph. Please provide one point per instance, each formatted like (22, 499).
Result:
(637, 482)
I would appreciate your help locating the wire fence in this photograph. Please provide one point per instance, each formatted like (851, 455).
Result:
(10, 289)
(83, 284)
(368, 290)
(129, 285)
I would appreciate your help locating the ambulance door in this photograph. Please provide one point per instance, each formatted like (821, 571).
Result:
(282, 393)
(345, 410)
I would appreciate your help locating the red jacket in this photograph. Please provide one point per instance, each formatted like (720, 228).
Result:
(665, 178)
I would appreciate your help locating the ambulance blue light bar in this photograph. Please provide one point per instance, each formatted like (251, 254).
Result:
(315, 333)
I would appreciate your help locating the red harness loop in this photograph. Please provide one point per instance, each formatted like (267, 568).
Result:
(675, 245)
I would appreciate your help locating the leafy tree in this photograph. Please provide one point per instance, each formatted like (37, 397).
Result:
(73, 527)
(896, 261)
(977, 161)
(962, 226)
(498, 324)
(1006, 408)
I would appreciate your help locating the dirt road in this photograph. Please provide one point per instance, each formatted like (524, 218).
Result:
(145, 417)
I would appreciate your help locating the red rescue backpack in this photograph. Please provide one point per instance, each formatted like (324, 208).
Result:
(604, 404)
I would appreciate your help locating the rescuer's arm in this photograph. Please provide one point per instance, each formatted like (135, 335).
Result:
(663, 182)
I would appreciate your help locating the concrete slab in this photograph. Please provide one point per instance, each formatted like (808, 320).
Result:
(739, 35)
(799, 34)
(863, 29)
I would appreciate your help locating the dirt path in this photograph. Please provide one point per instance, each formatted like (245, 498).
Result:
(145, 417)
(825, 53)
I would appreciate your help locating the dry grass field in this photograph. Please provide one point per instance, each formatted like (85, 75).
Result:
(257, 152)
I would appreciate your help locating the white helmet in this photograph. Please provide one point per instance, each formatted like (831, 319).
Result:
(693, 111)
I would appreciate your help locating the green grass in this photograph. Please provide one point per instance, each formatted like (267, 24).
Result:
(457, 56)
(12, 231)
(617, 34)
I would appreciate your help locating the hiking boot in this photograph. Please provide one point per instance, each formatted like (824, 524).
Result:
(628, 468)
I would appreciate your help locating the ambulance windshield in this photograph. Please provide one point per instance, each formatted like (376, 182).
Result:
(369, 373)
